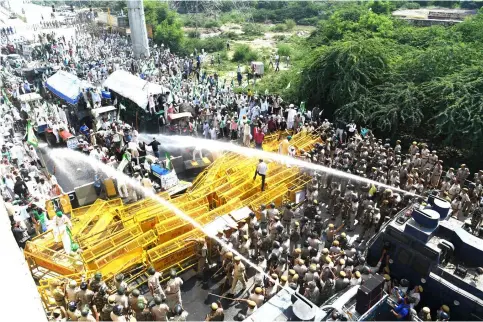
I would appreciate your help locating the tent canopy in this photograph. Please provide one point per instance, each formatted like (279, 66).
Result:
(132, 87)
(66, 86)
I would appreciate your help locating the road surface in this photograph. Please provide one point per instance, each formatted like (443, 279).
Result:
(33, 15)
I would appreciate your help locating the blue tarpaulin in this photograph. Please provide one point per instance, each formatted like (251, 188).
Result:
(66, 86)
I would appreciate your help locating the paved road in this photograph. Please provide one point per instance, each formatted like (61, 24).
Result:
(33, 15)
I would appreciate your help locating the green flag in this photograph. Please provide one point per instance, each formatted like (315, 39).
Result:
(168, 161)
(5, 98)
(302, 107)
(31, 138)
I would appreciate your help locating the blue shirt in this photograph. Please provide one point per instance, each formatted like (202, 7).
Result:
(403, 310)
(84, 129)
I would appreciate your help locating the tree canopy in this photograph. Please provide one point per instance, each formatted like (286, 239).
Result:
(421, 82)
(167, 26)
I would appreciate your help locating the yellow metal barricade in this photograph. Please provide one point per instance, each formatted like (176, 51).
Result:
(123, 253)
(107, 245)
(55, 261)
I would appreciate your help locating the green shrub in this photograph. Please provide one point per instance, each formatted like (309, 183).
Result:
(280, 37)
(210, 44)
(312, 21)
(223, 55)
(290, 24)
(284, 50)
(251, 29)
(279, 27)
(210, 23)
(194, 34)
(412, 5)
(244, 53)
(230, 35)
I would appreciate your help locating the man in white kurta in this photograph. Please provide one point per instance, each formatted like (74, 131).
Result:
(62, 226)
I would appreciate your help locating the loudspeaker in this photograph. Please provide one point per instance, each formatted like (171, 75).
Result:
(369, 293)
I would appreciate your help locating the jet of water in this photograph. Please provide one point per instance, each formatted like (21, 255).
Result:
(176, 141)
(74, 158)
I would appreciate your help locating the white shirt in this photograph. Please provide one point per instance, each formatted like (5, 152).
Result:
(262, 168)
(291, 115)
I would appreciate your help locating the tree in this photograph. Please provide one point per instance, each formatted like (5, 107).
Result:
(344, 71)
(166, 24)
(457, 102)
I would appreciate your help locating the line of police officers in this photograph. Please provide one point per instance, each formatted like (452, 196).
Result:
(92, 301)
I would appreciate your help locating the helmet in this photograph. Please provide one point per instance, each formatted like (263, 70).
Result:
(117, 310)
(72, 306)
(83, 286)
(256, 226)
(362, 260)
(252, 214)
(318, 218)
(172, 273)
(276, 244)
(264, 232)
(272, 205)
(103, 289)
(151, 271)
(98, 276)
(85, 311)
(119, 277)
(141, 305)
(178, 309)
(135, 292)
(111, 299)
(279, 229)
(121, 290)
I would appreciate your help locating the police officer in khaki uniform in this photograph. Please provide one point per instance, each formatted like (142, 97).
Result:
(160, 310)
(173, 290)
(228, 266)
(119, 281)
(121, 298)
(245, 246)
(117, 314)
(257, 296)
(238, 275)
(105, 313)
(73, 314)
(71, 291)
(59, 295)
(201, 251)
(84, 296)
(133, 300)
(153, 282)
(99, 300)
(216, 313)
(96, 282)
(57, 315)
(143, 313)
(86, 315)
